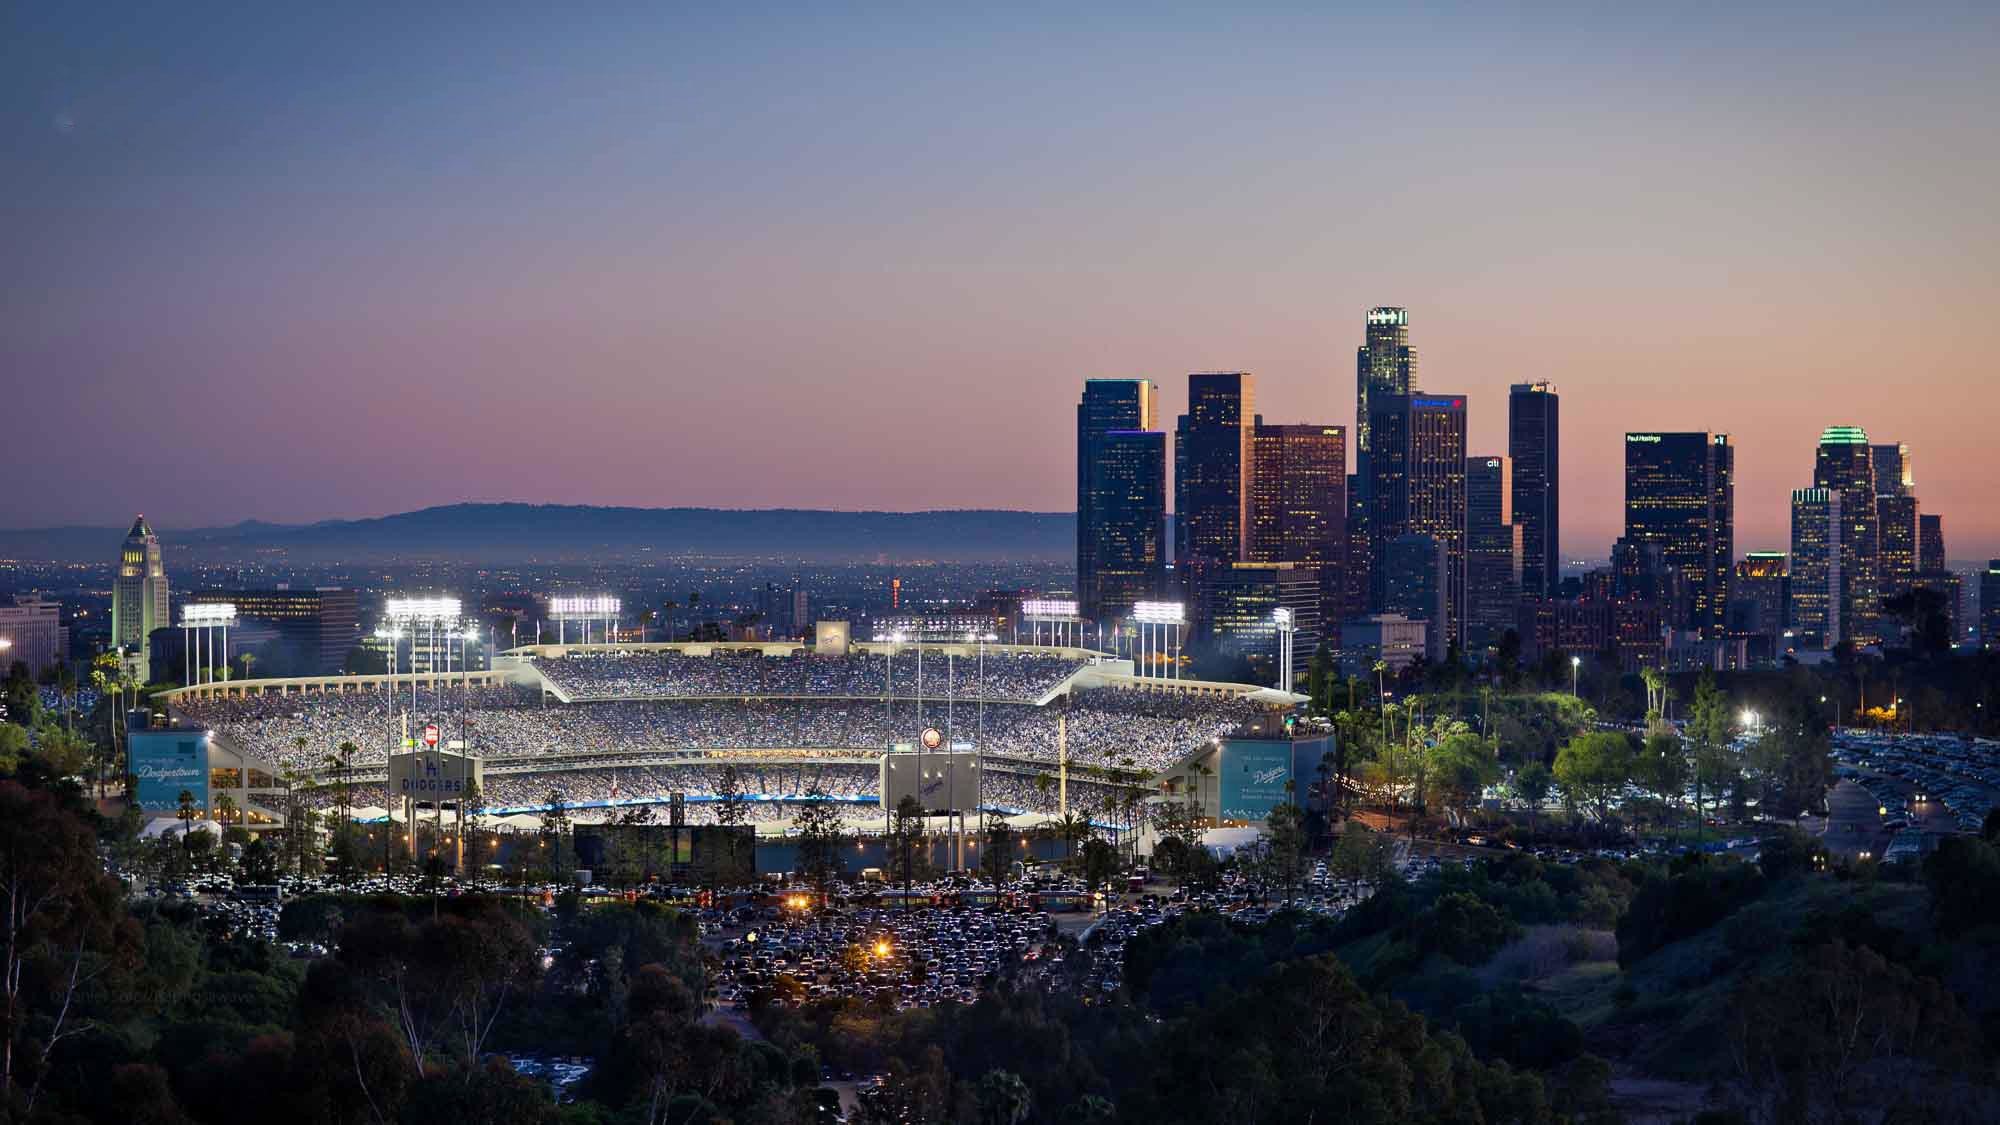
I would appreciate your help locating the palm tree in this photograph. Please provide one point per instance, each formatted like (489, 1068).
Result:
(1071, 828)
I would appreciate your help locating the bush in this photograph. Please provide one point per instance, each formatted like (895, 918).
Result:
(1668, 909)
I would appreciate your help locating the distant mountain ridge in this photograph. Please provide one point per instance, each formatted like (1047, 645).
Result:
(515, 532)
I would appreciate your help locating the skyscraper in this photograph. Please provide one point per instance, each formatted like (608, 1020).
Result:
(1896, 518)
(1121, 496)
(1298, 503)
(139, 596)
(1989, 604)
(1894, 476)
(1757, 599)
(1817, 557)
(1846, 464)
(1533, 445)
(1419, 487)
(1212, 467)
(1680, 493)
(1930, 544)
(1493, 550)
(1417, 586)
(1384, 364)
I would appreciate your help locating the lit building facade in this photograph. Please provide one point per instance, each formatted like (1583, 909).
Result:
(1416, 585)
(1298, 503)
(1845, 463)
(1817, 558)
(315, 629)
(1212, 467)
(1757, 608)
(1930, 544)
(34, 635)
(1495, 551)
(1235, 613)
(1384, 364)
(1419, 489)
(1680, 494)
(139, 594)
(1121, 496)
(1989, 604)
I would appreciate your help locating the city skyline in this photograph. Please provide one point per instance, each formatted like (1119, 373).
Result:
(869, 228)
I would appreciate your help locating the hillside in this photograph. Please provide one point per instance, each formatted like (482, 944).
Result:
(505, 533)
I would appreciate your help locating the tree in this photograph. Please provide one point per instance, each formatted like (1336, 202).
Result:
(1662, 766)
(1459, 767)
(1362, 855)
(555, 826)
(63, 927)
(1285, 855)
(13, 745)
(1003, 1098)
(820, 833)
(731, 810)
(1714, 762)
(998, 858)
(1594, 768)
(1532, 783)
(1071, 828)
(906, 832)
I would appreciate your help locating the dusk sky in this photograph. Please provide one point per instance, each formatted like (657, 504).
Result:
(293, 262)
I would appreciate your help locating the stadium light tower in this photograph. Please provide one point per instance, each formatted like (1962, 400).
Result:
(1159, 628)
(587, 609)
(1062, 616)
(422, 616)
(207, 618)
(1282, 618)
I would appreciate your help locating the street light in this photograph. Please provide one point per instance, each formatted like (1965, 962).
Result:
(1575, 666)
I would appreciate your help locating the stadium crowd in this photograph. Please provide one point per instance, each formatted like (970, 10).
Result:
(1107, 727)
(1015, 677)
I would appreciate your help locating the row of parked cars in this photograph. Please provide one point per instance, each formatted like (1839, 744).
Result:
(907, 958)
(1911, 773)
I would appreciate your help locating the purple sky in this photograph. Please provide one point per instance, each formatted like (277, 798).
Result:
(290, 264)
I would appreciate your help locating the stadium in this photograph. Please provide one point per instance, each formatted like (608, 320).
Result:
(596, 729)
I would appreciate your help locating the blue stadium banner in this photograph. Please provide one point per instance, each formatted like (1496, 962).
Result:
(167, 762)
(1254, 772)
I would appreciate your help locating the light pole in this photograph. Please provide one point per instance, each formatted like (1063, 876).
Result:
(1282, 618)
(1575, 666)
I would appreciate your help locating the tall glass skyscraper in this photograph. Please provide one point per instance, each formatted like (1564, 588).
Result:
(1493, 551)
(1533, 445)
(1298, 503)
(1384, 364)
(1816, 563)
(1212, 467)
(1846, 464)
(1121, 496)
(1419, 488)
(1680, 494)
(139, 595)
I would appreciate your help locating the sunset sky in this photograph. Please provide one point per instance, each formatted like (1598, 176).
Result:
(293, 262)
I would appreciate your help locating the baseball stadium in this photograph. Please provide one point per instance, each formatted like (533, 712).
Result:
(596, 729)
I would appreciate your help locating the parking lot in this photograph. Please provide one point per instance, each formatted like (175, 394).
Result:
(1919, 784)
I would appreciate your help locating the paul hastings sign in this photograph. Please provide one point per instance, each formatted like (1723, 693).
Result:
(434, 775)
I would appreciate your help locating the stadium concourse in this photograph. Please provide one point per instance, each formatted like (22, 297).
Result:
(603, 728)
